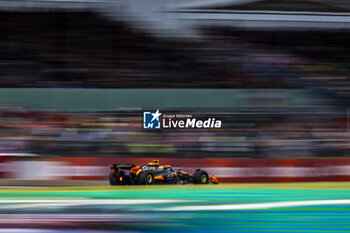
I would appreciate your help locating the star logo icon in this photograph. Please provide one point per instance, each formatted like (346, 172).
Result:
(151, 120)
(156, 115)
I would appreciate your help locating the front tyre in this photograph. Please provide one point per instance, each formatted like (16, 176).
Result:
(200, 177)
(145, 178)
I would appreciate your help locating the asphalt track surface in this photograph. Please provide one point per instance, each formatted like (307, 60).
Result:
(291, 207)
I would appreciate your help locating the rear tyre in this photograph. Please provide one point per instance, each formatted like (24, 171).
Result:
(145, 178)
(114, 179)
(200, 177)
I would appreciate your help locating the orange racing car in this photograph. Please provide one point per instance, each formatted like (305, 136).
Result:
(153, 173)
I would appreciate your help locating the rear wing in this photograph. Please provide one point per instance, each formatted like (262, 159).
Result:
(126, 166)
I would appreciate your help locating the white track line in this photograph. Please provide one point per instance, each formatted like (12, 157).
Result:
(22, 203)
(267, 205)
(33, 230)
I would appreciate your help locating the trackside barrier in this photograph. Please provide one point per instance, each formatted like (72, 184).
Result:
(227, 170)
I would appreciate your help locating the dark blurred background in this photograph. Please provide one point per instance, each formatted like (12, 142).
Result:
(286, 84)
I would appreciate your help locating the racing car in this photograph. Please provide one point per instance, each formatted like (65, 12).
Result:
(153, 173)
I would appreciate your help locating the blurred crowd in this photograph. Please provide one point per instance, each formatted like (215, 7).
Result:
(85, 50)
(244, 134)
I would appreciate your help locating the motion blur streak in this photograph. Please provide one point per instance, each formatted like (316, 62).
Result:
(294, 207)
(31, 230)
(67, 203)
(260, 205)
